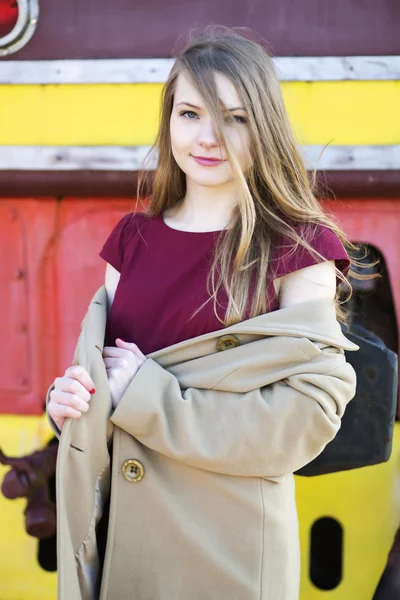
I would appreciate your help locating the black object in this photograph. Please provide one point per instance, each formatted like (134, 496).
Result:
(389, 584)
(28, 478)
(366, 433)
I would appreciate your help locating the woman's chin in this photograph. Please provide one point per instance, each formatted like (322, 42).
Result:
(207, 179)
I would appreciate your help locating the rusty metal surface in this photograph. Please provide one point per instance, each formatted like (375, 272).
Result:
(104, 29)
(380, 184)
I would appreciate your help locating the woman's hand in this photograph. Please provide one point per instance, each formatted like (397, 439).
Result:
(122, 363)
(70, 396)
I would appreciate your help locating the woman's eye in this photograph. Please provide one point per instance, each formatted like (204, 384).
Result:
(236, 119)
(188, 113)
(240, 119)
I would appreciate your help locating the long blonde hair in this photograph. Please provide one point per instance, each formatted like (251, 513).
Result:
(278, 194)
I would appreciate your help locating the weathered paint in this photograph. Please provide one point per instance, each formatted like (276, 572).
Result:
(156, 70)
(128, 158)
(52, 251)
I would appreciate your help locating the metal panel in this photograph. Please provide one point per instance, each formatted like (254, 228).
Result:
(55, 245)
(26, 227)
(15, 331)
(51, 272)
(104, 29)
(120, 184)
(376, 223)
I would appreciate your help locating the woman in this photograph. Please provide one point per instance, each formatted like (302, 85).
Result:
(234, 239)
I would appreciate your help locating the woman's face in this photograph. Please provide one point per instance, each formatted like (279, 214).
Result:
(193, 134)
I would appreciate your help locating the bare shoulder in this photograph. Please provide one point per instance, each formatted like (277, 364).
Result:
(311, 283)
(111, 281)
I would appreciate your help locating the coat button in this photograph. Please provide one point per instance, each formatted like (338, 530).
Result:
(132, 470)
(226, 342)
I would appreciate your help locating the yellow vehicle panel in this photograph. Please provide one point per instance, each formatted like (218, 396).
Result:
(367, 504)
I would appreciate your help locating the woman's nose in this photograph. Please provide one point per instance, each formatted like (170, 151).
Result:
(208, 135)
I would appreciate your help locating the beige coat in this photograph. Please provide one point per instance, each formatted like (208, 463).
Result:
(206, 507)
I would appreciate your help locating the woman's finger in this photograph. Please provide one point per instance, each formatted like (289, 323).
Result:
(112, 362)
(113, 352)
(81, 375)
(74, 386)
(130, 346)
(61, 411)
(72, 400)
(127, 364)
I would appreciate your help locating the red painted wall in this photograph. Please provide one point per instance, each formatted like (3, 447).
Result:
(50, 269)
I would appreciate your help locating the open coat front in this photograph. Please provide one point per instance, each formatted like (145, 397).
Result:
(205, 443)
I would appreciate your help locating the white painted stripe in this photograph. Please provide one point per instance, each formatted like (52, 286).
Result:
(73, 158)
(131, 158)
(156, 70)
(121, 70)
(338, 68)
(352, 158)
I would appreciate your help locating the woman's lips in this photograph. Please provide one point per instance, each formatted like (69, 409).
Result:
(207, 162)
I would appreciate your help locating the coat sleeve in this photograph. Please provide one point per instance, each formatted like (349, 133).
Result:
(270, 431)
(52, 424)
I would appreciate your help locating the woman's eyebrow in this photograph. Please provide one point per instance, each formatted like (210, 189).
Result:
(188, 104)
(199, 107)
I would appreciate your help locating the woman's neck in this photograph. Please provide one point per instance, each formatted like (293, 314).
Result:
(202, 209)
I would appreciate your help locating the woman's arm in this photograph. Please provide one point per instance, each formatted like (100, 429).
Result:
(270, 431)
(71, 405)
(111, 281)
(312, 283)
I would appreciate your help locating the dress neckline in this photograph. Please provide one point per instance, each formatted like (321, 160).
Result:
(183, 232)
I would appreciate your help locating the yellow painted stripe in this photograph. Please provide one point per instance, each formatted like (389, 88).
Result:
(350, 112)
(354, 112)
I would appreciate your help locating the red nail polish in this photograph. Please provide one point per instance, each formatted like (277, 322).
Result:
(92, 391)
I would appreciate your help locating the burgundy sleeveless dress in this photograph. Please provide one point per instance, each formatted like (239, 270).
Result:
(163, 280)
